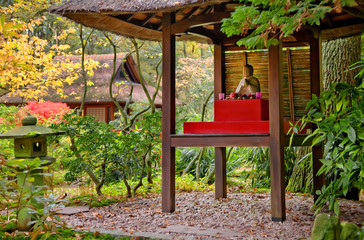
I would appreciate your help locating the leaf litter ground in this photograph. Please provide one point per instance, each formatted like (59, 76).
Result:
(199, 215)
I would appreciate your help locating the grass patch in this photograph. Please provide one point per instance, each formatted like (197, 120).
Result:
(116, 192)
(93, 201)
(7, 232)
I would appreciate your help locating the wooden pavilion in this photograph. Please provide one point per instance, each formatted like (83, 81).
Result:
(200, 20)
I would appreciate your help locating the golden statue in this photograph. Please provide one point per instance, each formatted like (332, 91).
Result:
(249, 85)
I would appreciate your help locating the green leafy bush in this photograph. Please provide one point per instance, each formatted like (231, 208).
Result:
(29, 205)
(108, 155)
(339, 115)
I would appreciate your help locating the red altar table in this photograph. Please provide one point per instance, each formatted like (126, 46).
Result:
(249, 116)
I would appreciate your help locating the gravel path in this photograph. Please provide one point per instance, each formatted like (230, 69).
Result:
(199, 216)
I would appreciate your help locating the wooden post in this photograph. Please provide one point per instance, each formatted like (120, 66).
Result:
(276, 144)
(168, 114)
(290, 84)
(220, 172)
(219, 87)
(245, 58)
(316, 86)
(219, 62)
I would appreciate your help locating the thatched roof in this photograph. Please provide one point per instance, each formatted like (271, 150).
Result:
(195, 19)
(99, 92)
(127, 6)
(134, 18)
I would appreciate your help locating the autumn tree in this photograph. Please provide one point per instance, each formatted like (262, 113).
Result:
(26, 69)
(30, 41)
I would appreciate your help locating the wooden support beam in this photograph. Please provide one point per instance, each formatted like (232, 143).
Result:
(198, 20)
(290, 84)
(232, 140)
(168, 113)
(130, 17)
(203, 32)
(145, 21)
(341, 32)
(207, 10)
(245, 58)
(220, 172)
(220, 140)
(275, 87)
(219, 87)
(193, 11)
(219, 63)
(316, 86)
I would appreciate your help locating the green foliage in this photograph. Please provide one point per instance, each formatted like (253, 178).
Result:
(92, 200)
(329, 227)
(301, 178)
(67, 234)
(93, 147)
(109, 156)
(200, 162)
(258, 160)
(22, 194)
(272, 20)
(187, 183)
(339, 116)
(194, 83)
(8, 118)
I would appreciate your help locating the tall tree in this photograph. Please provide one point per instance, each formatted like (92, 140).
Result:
(337, 57)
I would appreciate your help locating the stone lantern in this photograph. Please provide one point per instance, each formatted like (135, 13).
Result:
(30, 143)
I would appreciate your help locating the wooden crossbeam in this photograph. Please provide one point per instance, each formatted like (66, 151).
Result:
(145, 21)
(233, 140)
(206, 10)
(130, 17)
(193, 11)
(199, 20)
(200, 31)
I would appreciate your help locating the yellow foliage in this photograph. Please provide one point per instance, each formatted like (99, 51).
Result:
(26, 68)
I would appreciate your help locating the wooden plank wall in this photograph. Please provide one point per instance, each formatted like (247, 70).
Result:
(259, 60)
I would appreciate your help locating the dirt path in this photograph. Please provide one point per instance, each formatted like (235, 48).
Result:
(199, 216)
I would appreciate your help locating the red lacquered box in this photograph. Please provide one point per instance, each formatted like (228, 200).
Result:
(241, 110)
(236, 117)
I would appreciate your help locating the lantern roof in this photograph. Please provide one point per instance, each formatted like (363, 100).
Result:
(30, 129)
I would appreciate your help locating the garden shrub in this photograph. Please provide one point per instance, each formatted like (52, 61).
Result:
(330, 227)
(47, 113)
(107, 155)
(17, 199)
(339, 115)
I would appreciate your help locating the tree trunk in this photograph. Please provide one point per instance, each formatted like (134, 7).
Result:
(337, 56)
(301, 178)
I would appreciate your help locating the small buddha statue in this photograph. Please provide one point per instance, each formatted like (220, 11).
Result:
(249, 85)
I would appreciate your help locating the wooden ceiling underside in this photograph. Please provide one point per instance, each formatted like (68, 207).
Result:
(197, 23)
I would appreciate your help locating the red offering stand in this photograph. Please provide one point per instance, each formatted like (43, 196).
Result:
(241, 110)
(249, 116)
